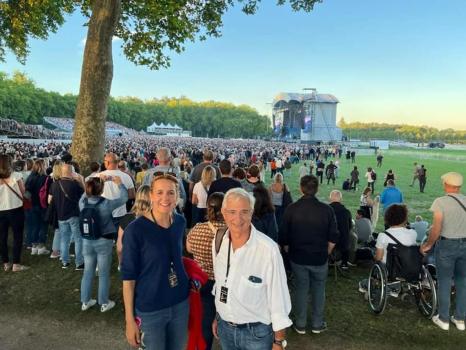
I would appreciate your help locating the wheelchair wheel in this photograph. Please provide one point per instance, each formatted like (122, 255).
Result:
(377, 288)
(426, 294)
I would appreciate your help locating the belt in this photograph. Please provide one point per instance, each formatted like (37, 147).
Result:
(463, 239)
(243, 325)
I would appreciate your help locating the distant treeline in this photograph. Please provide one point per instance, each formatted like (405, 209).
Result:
(368, 131)
(21, 100)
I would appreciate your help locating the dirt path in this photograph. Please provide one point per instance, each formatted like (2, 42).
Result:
(43, 333)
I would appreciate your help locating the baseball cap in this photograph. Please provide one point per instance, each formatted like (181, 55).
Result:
(453, 179)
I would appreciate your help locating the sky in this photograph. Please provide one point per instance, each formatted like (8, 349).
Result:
(398, 61)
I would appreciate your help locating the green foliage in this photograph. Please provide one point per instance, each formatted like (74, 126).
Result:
(421, 134)
(21, 100)
(149, 29)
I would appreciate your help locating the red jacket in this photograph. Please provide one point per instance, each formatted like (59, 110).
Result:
(195, 339)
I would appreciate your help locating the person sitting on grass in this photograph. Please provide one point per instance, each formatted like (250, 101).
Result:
(396, 218)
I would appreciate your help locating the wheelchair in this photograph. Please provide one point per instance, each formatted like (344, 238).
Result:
(417, 282)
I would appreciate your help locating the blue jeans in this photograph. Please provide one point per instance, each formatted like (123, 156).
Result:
(166, 329)
(450, 259)
(96, 253)
(67, 229)
(38, 227)
(251, 337)
(316, 277)
(56, 244)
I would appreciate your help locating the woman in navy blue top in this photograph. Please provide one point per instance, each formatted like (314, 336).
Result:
(155, 284)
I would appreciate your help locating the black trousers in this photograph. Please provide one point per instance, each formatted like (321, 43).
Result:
(13, 218)
(422, 183)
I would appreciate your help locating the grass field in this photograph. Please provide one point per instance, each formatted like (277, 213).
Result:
(40, 308)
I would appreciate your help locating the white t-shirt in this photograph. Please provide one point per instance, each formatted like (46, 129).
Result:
(406, 237)
(201, 194)
(9, 200)
(111, 190)
(369, 177)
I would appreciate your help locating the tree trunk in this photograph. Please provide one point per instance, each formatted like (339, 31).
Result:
(96, 81)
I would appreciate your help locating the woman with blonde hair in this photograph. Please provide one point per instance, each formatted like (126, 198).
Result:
(200, 191)
(52, 217)
(155, 283)
(141, 206)
(280, 195)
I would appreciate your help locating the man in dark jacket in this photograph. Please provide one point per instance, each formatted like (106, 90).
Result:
(344, 225)
(309, 233)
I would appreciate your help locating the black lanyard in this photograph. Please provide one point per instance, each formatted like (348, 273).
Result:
(228, 263)
(172, 266)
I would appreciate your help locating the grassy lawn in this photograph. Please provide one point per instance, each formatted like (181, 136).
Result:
(40, 308)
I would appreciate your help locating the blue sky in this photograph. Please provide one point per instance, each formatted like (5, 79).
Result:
(399, 61)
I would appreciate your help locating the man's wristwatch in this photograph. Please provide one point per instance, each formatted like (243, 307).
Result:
(283, 343)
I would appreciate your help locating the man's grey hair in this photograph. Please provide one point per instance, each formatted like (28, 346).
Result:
(163, 154)
(335, 196)
(237, 193)
(66, 169)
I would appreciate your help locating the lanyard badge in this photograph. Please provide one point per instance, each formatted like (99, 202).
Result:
(172, 278)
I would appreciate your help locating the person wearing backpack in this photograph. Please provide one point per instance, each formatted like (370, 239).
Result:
(371, 176)
(98, 233)
(65, 194)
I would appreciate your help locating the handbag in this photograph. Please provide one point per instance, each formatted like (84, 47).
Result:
(287, 200)
(403, 261)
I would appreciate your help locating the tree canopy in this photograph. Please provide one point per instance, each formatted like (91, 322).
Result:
(412, 133)
(21, 100)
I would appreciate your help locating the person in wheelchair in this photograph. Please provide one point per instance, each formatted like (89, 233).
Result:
(396, 218)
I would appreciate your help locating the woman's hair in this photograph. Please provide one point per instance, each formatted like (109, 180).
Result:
(239, 173)
(29, 164)
(5, 166)
(396, 214)
(56, 171)
(166, 176)
(142, 202)
(369, 169)
(263, 203)
(94, 186)
(208, 176)
(278, 178)
(214, 206)
(39, 166)
(366, 191)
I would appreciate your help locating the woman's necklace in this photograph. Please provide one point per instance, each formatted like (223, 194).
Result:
(170, 219)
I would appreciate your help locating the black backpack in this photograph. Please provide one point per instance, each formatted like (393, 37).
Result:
(89, 220)
(403, 261)
(373, 175)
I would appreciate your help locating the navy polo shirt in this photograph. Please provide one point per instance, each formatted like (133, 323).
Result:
(148, 250)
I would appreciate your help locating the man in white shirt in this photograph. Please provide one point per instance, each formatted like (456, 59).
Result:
(111, 190)
(251, 292)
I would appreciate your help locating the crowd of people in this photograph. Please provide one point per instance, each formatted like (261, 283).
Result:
(164, 199)
(18, 129)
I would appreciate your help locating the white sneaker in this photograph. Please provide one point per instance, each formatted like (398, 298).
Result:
(43, 251)
(88, 305)
(34, 250)
(108, 306)
(458, 323)
(443, 325)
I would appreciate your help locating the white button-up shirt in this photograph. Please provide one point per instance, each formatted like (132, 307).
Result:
(257, 286)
